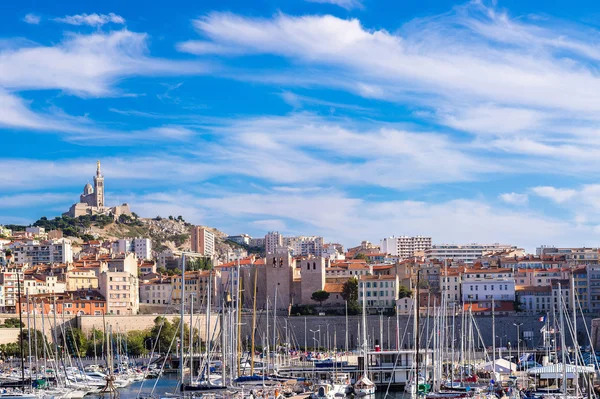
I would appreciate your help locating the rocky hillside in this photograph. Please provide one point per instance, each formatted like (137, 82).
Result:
(173, 233)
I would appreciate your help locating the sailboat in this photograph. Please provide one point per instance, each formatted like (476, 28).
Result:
(364, 386)
(206, 385)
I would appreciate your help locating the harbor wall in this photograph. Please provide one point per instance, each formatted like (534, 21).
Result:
(329, 331)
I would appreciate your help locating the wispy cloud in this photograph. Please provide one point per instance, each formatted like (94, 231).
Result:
(514, 198)
(558, 195)
(32, 19)
(347, 4)
(95, 20)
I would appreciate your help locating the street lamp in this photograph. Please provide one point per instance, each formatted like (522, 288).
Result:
(314, 336)
(509, 357)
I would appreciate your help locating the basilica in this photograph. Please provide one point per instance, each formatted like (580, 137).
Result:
(91, 201)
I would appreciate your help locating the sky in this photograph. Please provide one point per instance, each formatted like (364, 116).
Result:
(351, 119)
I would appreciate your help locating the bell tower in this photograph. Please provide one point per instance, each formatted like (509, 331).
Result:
(98, 187)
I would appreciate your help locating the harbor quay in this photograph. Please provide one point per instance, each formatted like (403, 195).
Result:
(326, 332)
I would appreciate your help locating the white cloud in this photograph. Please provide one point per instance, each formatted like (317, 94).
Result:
(558, 195)
(347, 4)
(269, 225)
(95, 20)
(32, 18)
(34, 199)
(514, 198)
(349, 220)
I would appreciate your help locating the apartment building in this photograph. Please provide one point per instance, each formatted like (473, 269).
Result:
(141, 247)
(10, 278)
(119, 284)
(467, 254)
(197, 284)
(273, 240)
(89, 302)
(487, 284)
(535, 299)
(203, 241)
(35, 252)
(380, 292)
(36, 283)
(158, 291)
(404, 246)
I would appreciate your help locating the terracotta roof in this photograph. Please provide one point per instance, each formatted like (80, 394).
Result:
(333, 288)
(504, 306)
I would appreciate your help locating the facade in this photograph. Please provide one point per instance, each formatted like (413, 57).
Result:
(573, 256)
(535, 299)
(42, 284)
(467, 254)
(236, 254)
(119, 284)
(82, 278)
(381, 292)
(142, 247)
(405, 247)
(242, 239)
(158, 291)
(203, 241)
(91, 201)
(36, 252)
(273, 240)
(10, 278)
(36, 231)
(89, 302)
(487, 284)
(196, 284)
(451, 284)
(257, 242)
(303, 245)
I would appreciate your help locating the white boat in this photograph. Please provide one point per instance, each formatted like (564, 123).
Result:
(323, 391)
(364, 387)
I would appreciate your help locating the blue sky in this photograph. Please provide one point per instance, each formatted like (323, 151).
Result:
(470, 122)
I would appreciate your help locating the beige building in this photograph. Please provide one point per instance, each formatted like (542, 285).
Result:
(203, 241)
(119, 284)
(82, 278)
(380, 292)
(158, 291)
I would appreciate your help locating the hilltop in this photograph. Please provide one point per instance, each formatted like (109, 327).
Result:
(171, 232)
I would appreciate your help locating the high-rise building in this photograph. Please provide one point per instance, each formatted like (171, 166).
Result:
(404, 246)
(203, 241)
(273, 240)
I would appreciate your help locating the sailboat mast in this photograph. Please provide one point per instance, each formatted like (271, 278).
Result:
(182, 310)
(575, 341)
(417, 331)
(191, 343)
(562, 339)
(254, 323)
(494, 336)
(239, 321)
(207, 333)
(21, 332)
(364, 325)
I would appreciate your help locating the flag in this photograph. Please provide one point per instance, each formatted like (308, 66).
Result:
(542, 319)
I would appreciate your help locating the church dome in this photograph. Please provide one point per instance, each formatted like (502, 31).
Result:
(88, 189)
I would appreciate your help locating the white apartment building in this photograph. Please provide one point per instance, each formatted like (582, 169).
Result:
(273, 240)
(43, 284)
(37, 252)
(36, 231)
(380, 291)
(141, 247)
(10, 277)
(463, 253)
(573, 256)
(304, 246)
(242, 239)
(451, 285)
(236, 254)
(487, 284)
(203, 241)
(405, 247)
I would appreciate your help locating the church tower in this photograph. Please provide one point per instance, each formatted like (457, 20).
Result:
(99, 187)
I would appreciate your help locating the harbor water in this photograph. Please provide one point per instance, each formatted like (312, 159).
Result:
(168, 384)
